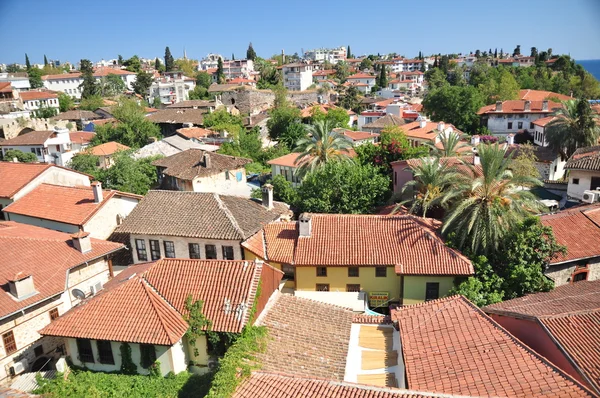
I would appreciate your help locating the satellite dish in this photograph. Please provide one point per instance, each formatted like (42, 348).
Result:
(78, 293)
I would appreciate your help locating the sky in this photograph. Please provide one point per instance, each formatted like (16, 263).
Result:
(70, 30)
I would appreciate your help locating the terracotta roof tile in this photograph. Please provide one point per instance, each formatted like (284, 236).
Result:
(43, 253)
(77, 114)
(81, 137)
(178, 116)
(37, 95)
(387, 120)
(31, 138)
(360, 76)
(584, 159)
(539, 95)
(574, 230)
(450, 346)
(15, 176)
(306, 338)
(518, 106)
(196, 132)
(108, 148)
(289, 160)
(359, 135)
(5, 87)
(192, 104)
(429, 132)
(191, 163)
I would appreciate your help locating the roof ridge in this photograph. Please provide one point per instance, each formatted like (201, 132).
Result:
(253, 289)
(149, 289)
(228, 214)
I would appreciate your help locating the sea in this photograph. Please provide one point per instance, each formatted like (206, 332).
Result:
(592, 66)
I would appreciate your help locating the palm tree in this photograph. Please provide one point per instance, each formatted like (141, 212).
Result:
(451, 145)
(322, 146)
(575, 126)
(434, 183)
(490, 205)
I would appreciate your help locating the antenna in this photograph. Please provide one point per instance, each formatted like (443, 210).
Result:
(78, 293)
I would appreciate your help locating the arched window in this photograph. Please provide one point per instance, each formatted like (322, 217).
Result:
(580, 274)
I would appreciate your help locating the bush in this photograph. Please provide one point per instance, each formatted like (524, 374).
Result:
(24, 157)
(488, 139)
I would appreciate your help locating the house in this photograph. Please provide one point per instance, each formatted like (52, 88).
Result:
(358, 137)
(408, 65)
(18, 179)
(80, 140)
(297, 76)
(578, 229)
(211, 61)
(42, 274)
(51, 146)
(70, 83)
(550, 164)
(170, 146)
(106, 152)
(376, 122)
(170, 120)
(207, 106)
(238, 68)
(363, 81)
(18, 80)
(80, 117)
(423, 131)
(331, 55)
(36, 99)
(323, 75)
(539, 130)
(143, 307)
(196, 225)
(171, 87)
(584, 173)
(201, 171)
(540, 95)
(405, 262)
(73, 209)
(560, 325)
(515, 116)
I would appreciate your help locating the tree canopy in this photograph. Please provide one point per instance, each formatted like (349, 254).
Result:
(169, 60)
(88, 87)
(457, 105)
(250, 53)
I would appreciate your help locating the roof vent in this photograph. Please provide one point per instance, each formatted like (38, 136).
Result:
(82, 242)
(498, 106)
(21, 286)
(207, 162)
(267, 196)
(97, 188)
(305, 222)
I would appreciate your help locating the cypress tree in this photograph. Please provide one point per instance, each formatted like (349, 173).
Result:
(420, 55)
(27, 64)
(220, 74)
(382, 78)
(250, 53)
(495, 53)
(435, 62)
(169, 61)
(232, 56)
(348, 53)
(156, 64)
(45, 60)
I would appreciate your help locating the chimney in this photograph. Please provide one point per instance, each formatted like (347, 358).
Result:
(544, 105)
(510, 139)
(82, 242)
(527, 106)
(97, 188)
(422, 123)
(476, 159)
(267, 196)
(498, 106)
(15, 160)
(305, 224)
(21, 286)
(441, 126)
(475, 140)
(207, 162)
(282, 57)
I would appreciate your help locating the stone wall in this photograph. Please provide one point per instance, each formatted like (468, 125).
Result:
(253, 102)
(561, 274)
(10, 128)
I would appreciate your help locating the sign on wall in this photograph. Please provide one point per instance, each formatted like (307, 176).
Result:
(378, 299)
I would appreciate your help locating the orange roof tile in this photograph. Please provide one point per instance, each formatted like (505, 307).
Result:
(518, 106)
(577, 232)
(15, 176)
(81, 137)
(43, 253)
(359, 135)
(360, 76)
(5, 87)
(107, 149)
(37, 95)
(450, 346)
(540, 95)
(544, 121)
(324, 72)
(31, 138)
(196, 132)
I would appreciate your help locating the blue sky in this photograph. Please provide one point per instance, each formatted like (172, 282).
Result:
(71, 30)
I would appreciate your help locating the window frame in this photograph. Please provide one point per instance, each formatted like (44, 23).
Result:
(352, 274)
(427, 290)
(53, 313)
(38, 350)
(9, 342)
(154, 250)
(210, 249)
(225, 250)
(322, 287)
(509, 126)
(167, 251)
(103, 352)
(142, 253)
(575, 181)
(379, 271)
(194, 251)
(147, 355)
(84, 356)
(353, 287)
(519, 125)
(323, 273)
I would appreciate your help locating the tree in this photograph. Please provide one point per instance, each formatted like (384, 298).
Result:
(457, 105)
(343, 187)
(45, 60)
(575, 126)
(348, 53)
(342, 71)
(35, 77)
(451, 145)
(435, 62)
(436, 78)
(485, 287)
(187, 66)
(350, 99)
(91, 103)
(203, 79)
(156, 102)
(382, 77)
(169, 61)
(321, 146)
(130, 175)
(143, 81)
(157, 65)
(517, 50)
(534, 52)
(27, 63)
(250, 53)
(23, 157)
(198, 93)
(491, 205)
(88, 87)
(65, 102)
(281, 118)
(220, 74)
(366, 63)
(13, 68)
(45, 112)
(85, 162)
(111, 85)
(120, 60)
(523, 164)
(496, 53)
(133, 64)
(420, 55)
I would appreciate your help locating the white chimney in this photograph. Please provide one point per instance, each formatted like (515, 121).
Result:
(545, 105)
(510, 139)
(527, 106)
(82, 242)
(21, 286)
(305, 224)
(422, 123)
(15, 160)
(97, 188)
(475, 140)
(441, 126)
(498, 106)
(267, 196)
(207, 162)
(476, 159)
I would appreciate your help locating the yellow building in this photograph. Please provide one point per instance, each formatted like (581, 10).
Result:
(392, 259)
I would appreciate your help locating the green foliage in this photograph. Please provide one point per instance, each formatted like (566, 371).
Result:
(35, 77)
(281, 124)
(457, 105)
(342, 71)
(351, 99)
(220, 73)
(23, 157)
(484, 288)
(498, 84)
(523, 165)
(65, 102)
(343, 187)
(199, 93)
(85, 384)
(85, 163)
(436, 78)
(91, 103)
(156, 103)
(270, 76)
(366, 63)
(133, 64)
(250, 53)
(27, 63)
(336, 117)
(283, 190)
(186, 65)
(128, 174)
(382, 81)
(219, 342)
(203, 79)
(127, 365)
(198, 324)
(169, 61)
(111, 85)
(154, 370)
(142, 83)
(89, 88)
(45, 112)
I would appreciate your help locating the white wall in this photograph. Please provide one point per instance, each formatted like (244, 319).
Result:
(104, 222)
(56, 176)
(585, 181)
(35, 104)
(219, 183)
(287, 172)
(498, 124)
(40, 222)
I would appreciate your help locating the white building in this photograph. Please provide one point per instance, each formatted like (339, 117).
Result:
(515, 116)
(210, 62)
(239, 68)
(33, 100)
(407, 65)
(362, 81)
(70, 83)
(297, 76)
(18, 80)
(584, 173)
(172, 87)
(331, 55)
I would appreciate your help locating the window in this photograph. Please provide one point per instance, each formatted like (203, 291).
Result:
(148, 354)
(288, 271)
(576, 181)
(194, 250)
(211, 251)
(353, 272)
(510, 125)
(140, 246)
(227, 174)
(353, 288)
(227, 252)
(321, 271)
(38, 351)
(53, 314)
(10, 345)
(322, 287)
(530, 125)
(84, 347)
(381, 272)
(169, 249)
(432, 291)
(520, 125)
(580, 276)
(154, 249)
(105, 352)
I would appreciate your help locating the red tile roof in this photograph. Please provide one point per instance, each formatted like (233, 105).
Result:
(43, 253)
(68, 205)
(544, 121)
(5, 87)
(15, 176)
(81, 137)
(429, 132)
(196, 132)
(360, 76)
(98, 72)
(360, 135)
(450, 346)
(518, 106)
(62, 76)
(406, 242)
(31, 138)
(275, 385)
(146, 302)
(290, 160)
(587, 158)
(37, 95)
(108, 148)
(540, 95)
(324, 72)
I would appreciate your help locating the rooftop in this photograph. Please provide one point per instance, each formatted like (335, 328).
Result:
(196, 132)
(518, 106)
(540, 95)
(15, 176)
(37, 95)
(178, 116)
(583, 159)
(430, 131)
(192, 104)
(107, 149)
(77, 114)
(387, 120)
(190, 164)
(31, 138)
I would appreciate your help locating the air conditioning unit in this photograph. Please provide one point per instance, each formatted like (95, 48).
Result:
(96, 288)
(18, 367)
(590, 196)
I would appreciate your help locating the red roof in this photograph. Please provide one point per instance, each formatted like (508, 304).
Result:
(518, 106)
(540, 95)
(98, 72)
(145, 303)
(108, 148)
(43, 253)
(544, 121)
(429, 132)
(450, 346)
(15, 176)
(577, 232)
(360, 76)
(68, 205)
(196, 132)
(81, 137)
(290, 160)
(406, 242)
(37, 95)
(360, 135)
(5, 87)
(324, 72)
